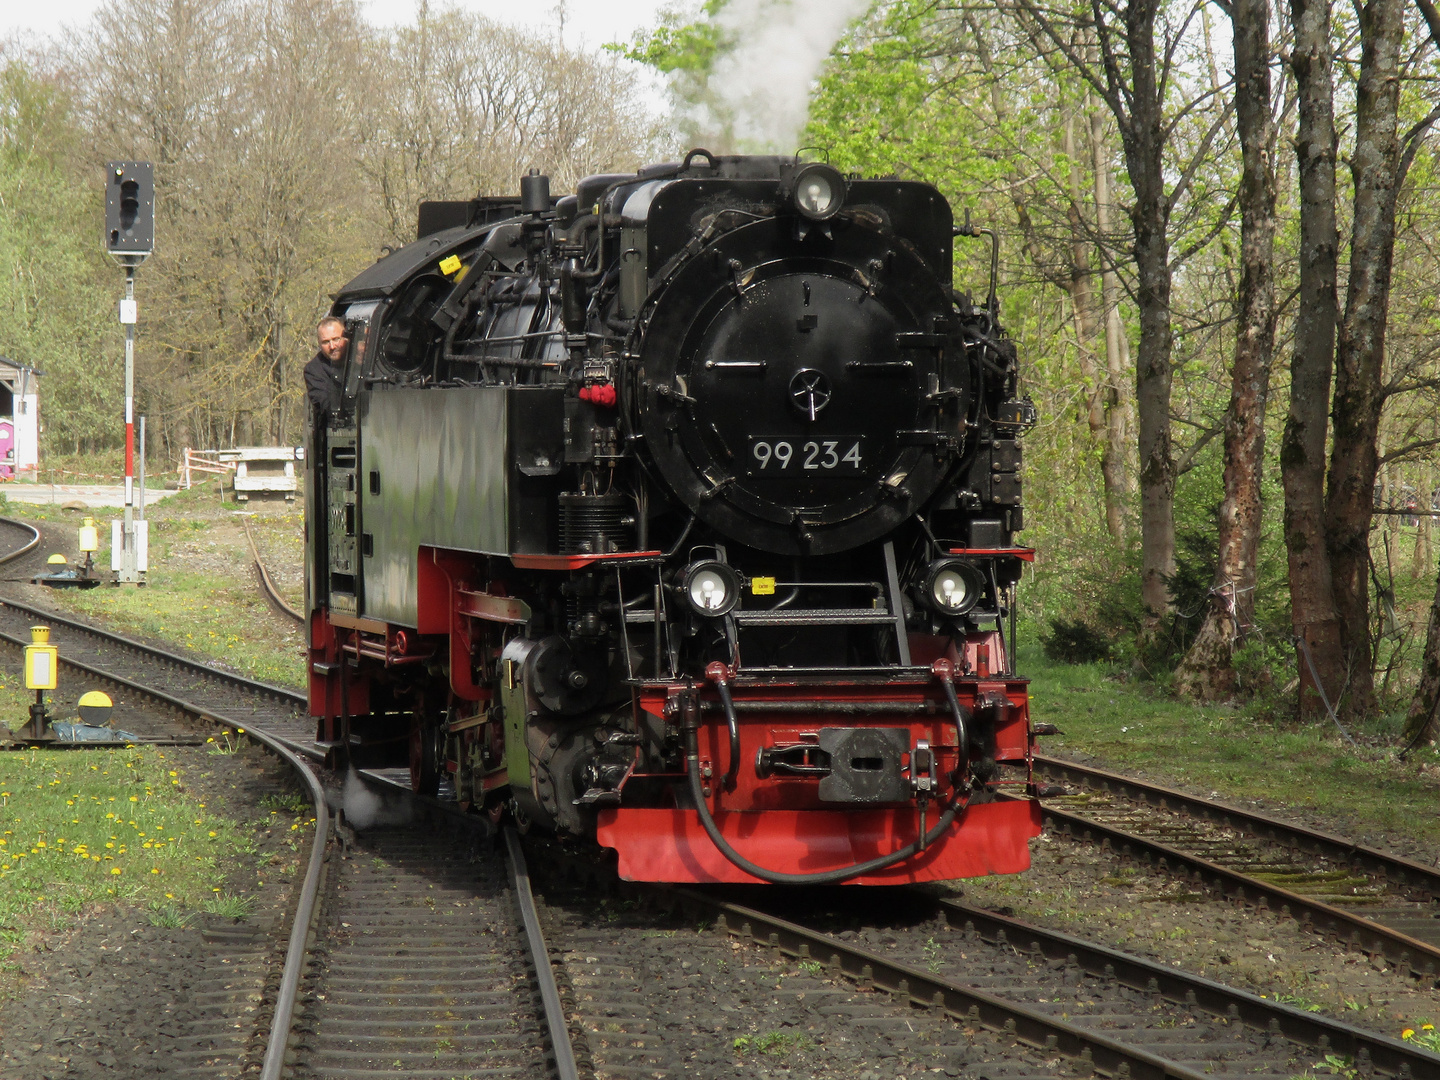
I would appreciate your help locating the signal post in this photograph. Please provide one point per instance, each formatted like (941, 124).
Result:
(129, 238)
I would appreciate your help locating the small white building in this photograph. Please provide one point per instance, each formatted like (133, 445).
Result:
(19, 419)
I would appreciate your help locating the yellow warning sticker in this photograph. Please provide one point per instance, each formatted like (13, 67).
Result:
(450, 264)
(762, 586)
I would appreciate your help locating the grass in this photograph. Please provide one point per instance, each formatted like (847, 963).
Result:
(1240, 754)
(79, 827)
(773, 1043)
(201, 591)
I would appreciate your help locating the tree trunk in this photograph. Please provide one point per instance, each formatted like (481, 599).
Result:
(1422, 722)
(1144, 143)
(1302, 448)
(1118, 447)
(1099, 403)
(1207, 671)
(1360, 346)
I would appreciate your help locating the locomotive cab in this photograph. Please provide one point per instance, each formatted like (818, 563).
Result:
(680, 514)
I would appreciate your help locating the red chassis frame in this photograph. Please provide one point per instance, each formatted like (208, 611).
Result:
(775, 822)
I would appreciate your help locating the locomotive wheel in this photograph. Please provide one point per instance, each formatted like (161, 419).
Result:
(424, 757)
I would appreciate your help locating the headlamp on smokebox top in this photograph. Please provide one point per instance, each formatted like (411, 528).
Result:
(711, 588)
(953, 586)
(816, 190)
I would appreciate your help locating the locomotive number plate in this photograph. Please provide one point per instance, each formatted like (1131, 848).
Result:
(828, 457)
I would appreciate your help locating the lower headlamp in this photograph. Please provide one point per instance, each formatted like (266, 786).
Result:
(953, 586)
(711, 588)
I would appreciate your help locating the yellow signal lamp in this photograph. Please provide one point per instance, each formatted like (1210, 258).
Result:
(95, 706)
(41, 660)
(89, 536)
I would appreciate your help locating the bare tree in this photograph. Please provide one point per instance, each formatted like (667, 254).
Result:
(1207, 671)
(290, 141)
(509, 101)
(1135, 75)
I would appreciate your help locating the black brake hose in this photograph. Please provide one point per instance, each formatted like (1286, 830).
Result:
(733, 772)
(962, 733)
(776, 877)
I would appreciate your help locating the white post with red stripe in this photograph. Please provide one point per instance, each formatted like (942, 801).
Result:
(129, 567)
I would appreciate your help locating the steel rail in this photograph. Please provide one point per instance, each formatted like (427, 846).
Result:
(1389, 1055)
(1371, 938)
(29, 547)
(267, 583)
(931, 991)
(565, 1065)
(285, 693)
(1394, 868)
(296, 949)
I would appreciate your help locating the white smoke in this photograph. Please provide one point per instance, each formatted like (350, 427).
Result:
(364, 806)
(763, 84)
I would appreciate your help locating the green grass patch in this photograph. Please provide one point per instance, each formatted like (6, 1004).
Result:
(220, 618)
(201, 591)
(79, 827)
(1239, 752)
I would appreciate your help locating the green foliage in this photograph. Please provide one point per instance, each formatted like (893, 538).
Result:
(57, 293)
(676, 45)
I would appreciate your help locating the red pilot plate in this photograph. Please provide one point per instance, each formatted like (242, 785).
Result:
(671, 845)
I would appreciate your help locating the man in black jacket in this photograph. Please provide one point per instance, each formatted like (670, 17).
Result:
(323, 372)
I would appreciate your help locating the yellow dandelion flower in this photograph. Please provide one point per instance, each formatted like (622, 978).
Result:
(114, 869)
(1408, 1033)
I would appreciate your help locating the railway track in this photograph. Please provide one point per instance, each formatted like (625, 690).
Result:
(1058, 1001)
(1080, 1006)
(426, 965)
(1378, 903)
(267, 583)
(412, 895)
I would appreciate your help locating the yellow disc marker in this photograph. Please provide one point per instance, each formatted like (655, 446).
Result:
(95, 706)
(57, 560)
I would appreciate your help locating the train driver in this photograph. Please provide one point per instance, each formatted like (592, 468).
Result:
(323, 372)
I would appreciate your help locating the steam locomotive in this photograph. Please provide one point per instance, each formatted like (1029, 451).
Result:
(679, 513)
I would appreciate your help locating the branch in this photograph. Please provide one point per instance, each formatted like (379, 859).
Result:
(1432, 19)
(1412, 140)
(1408, 450)
(1219, 226)
(1396, 387)
(1187, 462)
(1078, 62)
(1201, 154)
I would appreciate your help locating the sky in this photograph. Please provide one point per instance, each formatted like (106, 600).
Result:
(588, 23)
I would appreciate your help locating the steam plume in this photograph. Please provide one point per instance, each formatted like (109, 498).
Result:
(762, 85)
